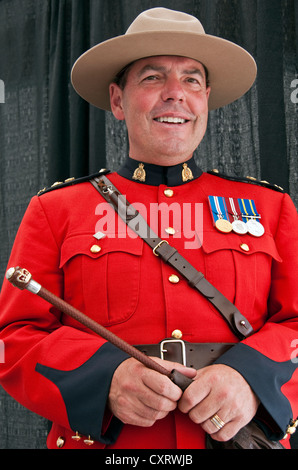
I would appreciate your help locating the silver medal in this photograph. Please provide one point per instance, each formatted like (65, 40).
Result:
(239, 227)
(255, 228)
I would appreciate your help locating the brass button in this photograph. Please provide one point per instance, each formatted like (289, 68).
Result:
(95, 249)
(76, 437)
(177, 334)
(170, 231)
(168, 192)
(251, 178)
(174, 279)
(89, 441)
(244, 247)
(292, 428)
(60, 442)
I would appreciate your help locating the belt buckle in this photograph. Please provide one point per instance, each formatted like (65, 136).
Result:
(183, 350)
(158, 245)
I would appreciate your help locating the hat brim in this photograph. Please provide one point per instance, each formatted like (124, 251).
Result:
(232, 70)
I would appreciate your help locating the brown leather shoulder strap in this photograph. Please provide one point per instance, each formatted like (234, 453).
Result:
(237, 322)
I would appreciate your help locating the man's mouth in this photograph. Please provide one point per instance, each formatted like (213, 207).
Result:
(171, 120)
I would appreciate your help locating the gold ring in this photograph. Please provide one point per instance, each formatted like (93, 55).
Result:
(218, 423)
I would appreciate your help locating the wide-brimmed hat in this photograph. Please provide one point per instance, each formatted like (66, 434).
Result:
(158, 32)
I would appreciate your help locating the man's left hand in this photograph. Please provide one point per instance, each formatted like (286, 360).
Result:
(220, 390)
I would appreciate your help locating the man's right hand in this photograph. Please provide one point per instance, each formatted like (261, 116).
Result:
(141, 396)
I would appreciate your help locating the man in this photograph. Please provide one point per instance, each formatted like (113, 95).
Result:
(161, 77)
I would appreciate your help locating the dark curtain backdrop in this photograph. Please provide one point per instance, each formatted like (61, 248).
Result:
(48, 133)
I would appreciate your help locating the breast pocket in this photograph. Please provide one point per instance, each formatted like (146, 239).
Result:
(102, 278)
(240, 267)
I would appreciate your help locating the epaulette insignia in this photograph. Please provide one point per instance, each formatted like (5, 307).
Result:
(71, 182)
(247, 179)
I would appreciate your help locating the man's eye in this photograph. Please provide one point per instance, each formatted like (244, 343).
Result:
(151, 77)
(193, 80)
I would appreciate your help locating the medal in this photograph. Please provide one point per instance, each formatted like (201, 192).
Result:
(223, 225)
(220, 214)
(250, 214)
(238, 225)
(255, 228)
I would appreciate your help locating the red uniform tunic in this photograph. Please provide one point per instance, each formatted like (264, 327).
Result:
(60, 370)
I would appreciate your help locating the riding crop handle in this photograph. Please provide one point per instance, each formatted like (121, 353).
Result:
(22, 278)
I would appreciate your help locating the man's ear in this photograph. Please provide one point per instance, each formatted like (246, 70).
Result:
(208, 90)
(116, 101)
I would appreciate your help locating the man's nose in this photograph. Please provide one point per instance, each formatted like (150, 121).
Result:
(173, 90)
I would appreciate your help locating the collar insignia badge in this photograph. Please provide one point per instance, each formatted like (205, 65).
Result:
(186, 173)
(139, 173)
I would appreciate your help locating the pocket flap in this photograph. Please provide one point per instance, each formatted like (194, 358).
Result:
(86, 244)
(247, 245)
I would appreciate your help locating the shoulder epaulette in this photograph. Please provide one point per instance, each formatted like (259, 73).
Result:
(247, 179)
(72, 182)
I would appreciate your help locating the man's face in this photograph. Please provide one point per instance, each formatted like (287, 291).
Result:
(165, 106)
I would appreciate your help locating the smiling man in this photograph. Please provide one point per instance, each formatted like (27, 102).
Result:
(165, 106)
(222, 311)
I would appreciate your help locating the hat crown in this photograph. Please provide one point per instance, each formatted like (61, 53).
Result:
(163, 19)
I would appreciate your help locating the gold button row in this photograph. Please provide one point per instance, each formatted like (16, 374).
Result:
(61, 440)
(170, 231)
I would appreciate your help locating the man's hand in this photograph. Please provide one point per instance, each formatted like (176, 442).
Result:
(221, 390)
(140, 396)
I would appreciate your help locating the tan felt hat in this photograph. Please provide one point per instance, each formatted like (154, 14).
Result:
(160, 31)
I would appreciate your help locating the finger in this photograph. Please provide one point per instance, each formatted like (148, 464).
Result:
(216, 422)
(159, 394)
(226, 433)
(142, 415)
(141, 407)
(192, 400)
(162, 384)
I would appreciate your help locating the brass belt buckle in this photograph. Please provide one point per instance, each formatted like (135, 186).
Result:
(158, 245)
(183, 350)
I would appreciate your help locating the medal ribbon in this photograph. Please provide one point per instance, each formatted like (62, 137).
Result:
(248, 209)
(233, 208)
(218, 208)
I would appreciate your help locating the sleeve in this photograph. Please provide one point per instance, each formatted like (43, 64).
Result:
(57, 371)
(268, 359)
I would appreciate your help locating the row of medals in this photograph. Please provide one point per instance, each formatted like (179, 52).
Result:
(252, 226)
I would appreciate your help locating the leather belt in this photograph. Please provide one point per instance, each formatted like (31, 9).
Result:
(236, 321)
(196, 355)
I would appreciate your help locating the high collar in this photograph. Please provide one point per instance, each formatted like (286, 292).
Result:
(154, 175)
